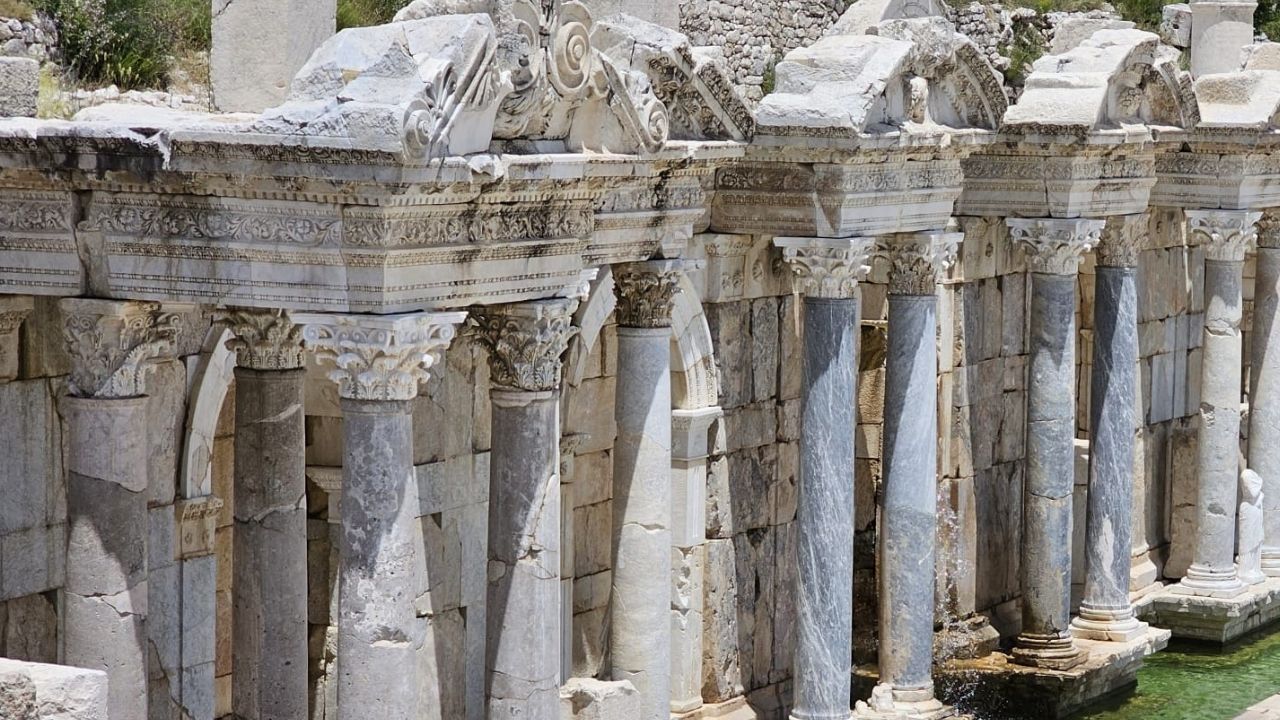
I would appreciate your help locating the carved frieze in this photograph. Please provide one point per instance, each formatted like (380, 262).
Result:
(191, 218)
(526, 342)
(646, 292)
(112, 344)
(1054, 246)
(465, 224)
(917, 259)
(1225, 235)
(264, 339)
(380, 357)
(828, 267)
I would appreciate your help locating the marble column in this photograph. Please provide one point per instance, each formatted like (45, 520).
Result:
(827, 272)
(525, 342)
(1264, 387)
(640, 596)
(269, 584)
(1054, 249)
(379, 363)
(909, 510)
(1105, 612)
(1225, 235)
(111, 345)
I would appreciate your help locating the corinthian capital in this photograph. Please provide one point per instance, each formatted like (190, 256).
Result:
(1121, 240)
(1269, 230)
(1054, 246)
(646, 292)
(525, 342)
(917, 259)
(264, 339)
(380, 357)
(827, 267)
(111, 344)
(1226, 235)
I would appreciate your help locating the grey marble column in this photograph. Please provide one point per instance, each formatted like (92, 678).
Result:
(1264, 387)
(640, 601)
(379, 364)
(525, 343)
(111, 345)
(1054, 249)
(1226, 236)
(1105, 612)
(827, 272)
(908, 516)
(269, 586)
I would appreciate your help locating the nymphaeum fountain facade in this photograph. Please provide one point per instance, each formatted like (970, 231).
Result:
(568, 384)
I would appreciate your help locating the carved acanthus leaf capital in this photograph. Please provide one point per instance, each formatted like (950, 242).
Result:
(264, 339)
(917, 259)
(526, 342)
(1055, 246)
(380, 357)
(827, 267)
(1226, 235)
(646, 292)
(1269, 230)
(112, 343)
(13, 310)
(1121, 241)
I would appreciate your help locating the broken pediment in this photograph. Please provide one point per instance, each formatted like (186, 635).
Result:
(1114, 79)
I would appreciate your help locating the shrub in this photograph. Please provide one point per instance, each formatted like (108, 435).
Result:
(125, 42)
(15, 9)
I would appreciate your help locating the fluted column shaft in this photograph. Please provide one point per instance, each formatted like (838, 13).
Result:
(1054, 249)
(269, 588)
(640, 603)
(908, 516)
(1105, 612)
(827, 272)
(110, 344)
(1264, 389)
(380, 363)
(525, 344)
(1226, 236)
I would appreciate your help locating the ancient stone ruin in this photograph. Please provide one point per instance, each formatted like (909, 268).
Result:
(509, 361)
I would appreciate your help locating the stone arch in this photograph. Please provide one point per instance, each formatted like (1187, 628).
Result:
(214, 371)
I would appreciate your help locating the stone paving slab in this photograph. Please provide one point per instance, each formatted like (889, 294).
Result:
(1218, 620)
(1268, 709)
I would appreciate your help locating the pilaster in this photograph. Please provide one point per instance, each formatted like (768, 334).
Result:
(14, 309)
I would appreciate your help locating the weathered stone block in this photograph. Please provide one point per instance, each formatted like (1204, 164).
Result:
(19, 86)
(998, 505)
(591, 699)
(721, 668)
(590, 413)
(443, 414)
(29, 473)
(764, 349)
(730, 325)
(31, 629)
(259, 46)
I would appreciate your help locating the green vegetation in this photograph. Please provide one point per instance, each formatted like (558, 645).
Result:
(15, 9)
(1027, 47)
(359, 13)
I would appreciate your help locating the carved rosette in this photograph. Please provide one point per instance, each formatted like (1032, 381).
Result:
(380, 357)
(1053, 246)
(264, 339)
(526, 342)
(1122, 239)
(112, 343)
(1226, 235)
(646, 292)
(916, 260)
(1269, 230)
(827, 267)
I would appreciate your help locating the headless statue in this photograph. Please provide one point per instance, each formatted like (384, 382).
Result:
(1250, 529)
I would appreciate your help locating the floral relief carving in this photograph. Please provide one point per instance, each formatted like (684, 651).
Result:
(526, 342)
(1226, 235)
(1053, 246)
(916, 260)
(1121, 241)
(112, 344)
(646, 293)
(380, 357)
(264, 339)
(827, 268)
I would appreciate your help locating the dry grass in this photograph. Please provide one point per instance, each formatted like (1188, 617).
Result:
(16, 9)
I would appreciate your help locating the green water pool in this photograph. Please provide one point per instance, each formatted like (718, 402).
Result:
(1194, 682)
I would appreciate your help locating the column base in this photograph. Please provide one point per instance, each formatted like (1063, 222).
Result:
(888, 704)
(1107, 625)
(1056, 652)
(1208, 583)
(1271, 562)
(1214, 619)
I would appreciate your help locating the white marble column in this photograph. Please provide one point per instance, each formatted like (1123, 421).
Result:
(1054, 249)
(689, 453)
(1226, 235)
(909, 512)
(1105, 612)
(827, 272)
(269, 586)
(525, 342)
(111, 345)
(379, 363)
(1264, 387)
(640, 597)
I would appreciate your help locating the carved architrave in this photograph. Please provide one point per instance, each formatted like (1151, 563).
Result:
(646, 292)
(382, 357)
(112, 343)
(1122, 239)
(828, 267)
(526, 342)
(264, 339)
(1269, 230)
(1055, 246)
(917, 259)
(1226, 235)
